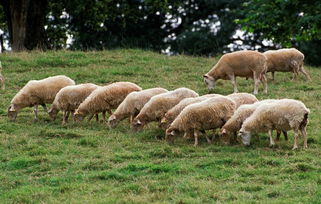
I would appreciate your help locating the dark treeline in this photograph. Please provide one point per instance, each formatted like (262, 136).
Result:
(196, 27)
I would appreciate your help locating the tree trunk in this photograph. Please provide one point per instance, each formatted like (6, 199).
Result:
(26, 19)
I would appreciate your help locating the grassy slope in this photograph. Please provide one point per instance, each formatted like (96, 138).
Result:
(87, 162)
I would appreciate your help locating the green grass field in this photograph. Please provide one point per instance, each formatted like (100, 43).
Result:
(45, 162)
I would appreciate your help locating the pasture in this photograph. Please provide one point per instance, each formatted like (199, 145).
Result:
(46, 162)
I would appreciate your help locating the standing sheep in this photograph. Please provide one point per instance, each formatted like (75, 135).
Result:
(242, 98)
(105, 99)
(234, 124)
(69, 98)
(158, 105)
(206, 115)
(37, 92)
(249, 64)
(283, 115)
(171, 114)
(132, 104)
(286, 60)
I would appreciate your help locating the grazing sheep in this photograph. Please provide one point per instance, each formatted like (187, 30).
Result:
(249, 64)
(38, 92)
(105, 99)
(69, 98)
(171, 114)
(157, 106)
(242, 98)
(283, 115)
(286, 60)
(206, 115)
(234, 124)
(2, 79)
(132, 104)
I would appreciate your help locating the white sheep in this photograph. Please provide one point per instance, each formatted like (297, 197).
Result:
(38, 92)
(242, 98)
(234, 124)
(283, 115)
(69, 98)
(206, 115)
(132, 105)
(286, 60)
(171, 114)
(104, 99)
(249, 64)
(157, 106)
(2, 79)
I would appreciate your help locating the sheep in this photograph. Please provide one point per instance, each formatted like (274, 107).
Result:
(132, 104)
(283, 115)
(286, 60)
(234, 124)
(242, 98)
(158, 105)
(2, 79)
(104, 99)
(175, 111)
(209, 114)
(69, 98)
(37, 92)
(241, 63)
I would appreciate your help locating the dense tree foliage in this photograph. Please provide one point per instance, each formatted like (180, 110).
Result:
(197, 27)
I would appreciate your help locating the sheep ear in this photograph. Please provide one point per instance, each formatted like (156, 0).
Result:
(138, 122)
(11, 108)
(223, 131)
(163, 120)
(112, 117)
(205, 76)
(172, 132)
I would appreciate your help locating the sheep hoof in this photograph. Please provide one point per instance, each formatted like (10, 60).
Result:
(272, 145)
(294, 148)
(35, 120)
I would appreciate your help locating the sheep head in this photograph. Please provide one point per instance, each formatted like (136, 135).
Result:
(209, 81)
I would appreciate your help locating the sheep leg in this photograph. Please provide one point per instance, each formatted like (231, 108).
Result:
(90, 117)
(44, 107)
(97, 117)
(278, 133)
(285, 135)
(73, 115)
(256, 83)
(104, 116)
(2, 82)
(304, 133)
(65, 117)
(273, 77)
(196, 135)
(35, 110)
(301, 69)
(272, 143)
(264, 82)
(233, 80)
(296, 136)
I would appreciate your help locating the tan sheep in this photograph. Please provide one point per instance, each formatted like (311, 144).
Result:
(2, 79)
(69, 98)
(249, 64)
(157, 106)
(286, 60)
(132, 105)
(206, 115)
(283, 115)
(38, 92)
(242, 98)
(171, 114)
(234, 124)
(104, 99)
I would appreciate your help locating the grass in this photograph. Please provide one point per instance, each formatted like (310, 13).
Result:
(45, 162)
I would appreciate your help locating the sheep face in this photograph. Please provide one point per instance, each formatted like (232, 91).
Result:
(170, 133)
(225, 136)
(137, 125)
(245, 137)
(79, 116)
(112, 121)
(53, 113)
(12, 112)
(209, 81)
(164, 123)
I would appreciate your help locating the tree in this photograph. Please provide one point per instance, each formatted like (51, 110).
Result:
(25, 20)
